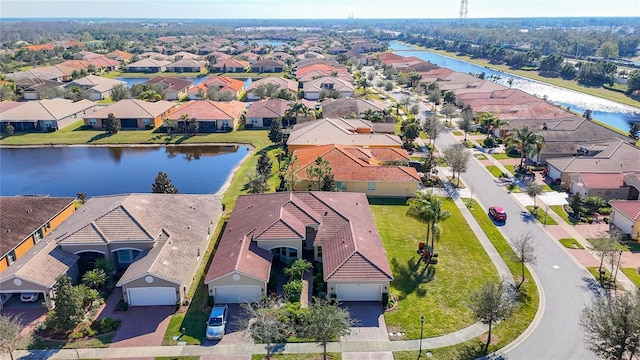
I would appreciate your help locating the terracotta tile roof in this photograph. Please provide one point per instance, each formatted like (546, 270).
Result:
(602, 180)
(8, 104)
(223, 83)
(120, 54)
(96, 83)
(39, 47)
(210, 110)
(149, 62)
(269, 62)
(76, 64)
(171, 82)
(353, 164)
(630, 208)
(273, 108)
(339, 131)
(346, 231)
(134, 109)
(187, 62)
(21, 216)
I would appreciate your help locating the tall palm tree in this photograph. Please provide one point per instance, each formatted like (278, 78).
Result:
(298, 108)
(437, 216)
(526, 140)
(419, 209)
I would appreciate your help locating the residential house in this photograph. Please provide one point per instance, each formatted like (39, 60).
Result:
(219, 83)
(174, 88)
(603, 157)
(312, 72)
(187, 65)
(46, 115)
(281, 83)
(230, 65)
(157, 240)
(211, 115)
(313, 88)
(336, 229)
(625, 215)
(35, 73)
(248, 56)
(349, 107)
(31, 88)
(97, 86)
(121, 56)
(40, 47)
(261, 113)
(374, 171)
(148, 65)
(268, 66)
(133, 114)
(605, 185)
(25, 220)
(156, 56)
(352, 132)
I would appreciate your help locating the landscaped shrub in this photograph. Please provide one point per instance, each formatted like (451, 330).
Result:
(604, 211)
(108, 325)
(489, 142)
(294, 313)
(149, 126)
(292, 290)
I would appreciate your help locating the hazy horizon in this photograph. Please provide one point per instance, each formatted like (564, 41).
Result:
(313, 9)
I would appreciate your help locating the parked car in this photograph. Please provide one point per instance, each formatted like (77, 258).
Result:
(217, 321)
(28, 297)
(498, 213)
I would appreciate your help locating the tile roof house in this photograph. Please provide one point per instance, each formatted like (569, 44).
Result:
(279, 82)
(605, 185)
(98, 87)
(230, 65)
(221, 84)
(268, 66)
(261, 113)
(336, 229)
(625, 215)
(598, 157)
(313, 88)
(349, 107)
(133, 114)
(187, 65)
(374, 172)
(119, 55)
(351, 132)
(25, 220)
(46, 115)
(31, 88)
(174, 88)
(148, 65)
(211, 115)
(159, 239)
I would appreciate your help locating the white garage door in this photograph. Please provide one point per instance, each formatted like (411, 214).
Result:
(359, 292)
(150, 296)
(235, 294)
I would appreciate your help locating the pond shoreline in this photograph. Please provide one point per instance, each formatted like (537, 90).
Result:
(249, 146)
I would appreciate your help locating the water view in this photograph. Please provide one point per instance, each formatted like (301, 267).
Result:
(65, 171)
(196, 80)
(609, 112)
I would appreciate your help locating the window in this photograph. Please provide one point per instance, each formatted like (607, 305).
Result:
(146, 121)
(225, 123)
(341, 185)
(371, 186)
(254, 121)
(125, 256)
(37, 235)
(11, 256)
(93, 122)
(320, 252)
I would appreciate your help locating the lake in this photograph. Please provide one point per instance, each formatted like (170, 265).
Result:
(196, 80)
(609, 112)
(95, 170)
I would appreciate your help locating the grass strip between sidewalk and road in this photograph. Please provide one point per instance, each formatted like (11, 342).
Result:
(571, 243)
(633, 275)
(542, 216)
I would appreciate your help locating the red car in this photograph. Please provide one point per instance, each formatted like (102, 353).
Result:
(498, 213)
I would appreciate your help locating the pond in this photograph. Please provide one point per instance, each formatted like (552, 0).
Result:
(609, 112)
(95, 170)
(139, 80)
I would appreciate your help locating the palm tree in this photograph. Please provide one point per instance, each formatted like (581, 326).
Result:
(420, 210)
(526, 140)
(298, 108)
(437, 215)
(95, 278)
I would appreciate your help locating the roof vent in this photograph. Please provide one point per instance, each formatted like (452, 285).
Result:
(8, 230)
(29, 211)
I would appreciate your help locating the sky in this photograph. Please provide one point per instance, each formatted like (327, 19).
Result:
(314, 9)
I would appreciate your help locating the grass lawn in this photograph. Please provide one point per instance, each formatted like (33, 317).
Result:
(495, 171)
(593, 270)
(100, 341)
(177, 358)
(632, 274)
(571, 243)
(480, 156)
(546, 187)
(510, 169)
(457, 133)
(501, 156)
(542, 216)
(558, 209)
(629, 245)
(440, 291)
(303, 356)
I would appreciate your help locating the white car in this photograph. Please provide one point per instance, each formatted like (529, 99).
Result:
(28, 297)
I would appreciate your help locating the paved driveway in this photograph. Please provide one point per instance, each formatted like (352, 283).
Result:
(30, 314)
(233, 333)
(143, 326)
(371, 324)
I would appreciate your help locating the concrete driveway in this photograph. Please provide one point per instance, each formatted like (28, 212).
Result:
(30, 314)
(233, 333)
(371, 325)
(143, 326)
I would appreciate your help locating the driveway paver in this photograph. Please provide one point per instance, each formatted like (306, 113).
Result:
(371, 324)
(143, 326)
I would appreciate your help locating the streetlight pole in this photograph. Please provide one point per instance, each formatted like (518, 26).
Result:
(421, 328)
(615, 286)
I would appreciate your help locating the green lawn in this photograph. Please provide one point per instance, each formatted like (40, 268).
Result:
(480, 156)
(177, 358)
(495, 171)
(558, 209)
(546, 188)
(540, 216)
(632, 274)
(440, 291)
(100, 341)
(571, 243)
(457, 133)
(303, 356)
(501, 156)
(593, 270)
(510, 169)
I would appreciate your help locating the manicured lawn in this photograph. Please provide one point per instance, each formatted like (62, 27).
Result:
(501, 156)
(546, 187)
(303, 356)
(510, 169)
(100, 341)
(571, 243)
(540, 216)
(480, 156)
(632, 274)
(440, 291)
(558, 209)
(457, 133)
(495, 171)
(178, 358)
(593, 270)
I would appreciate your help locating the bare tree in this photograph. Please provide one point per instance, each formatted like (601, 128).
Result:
(326, 321)
(458, 157)
(432, 127)
(265, 322)
(612, 326)
(524, 253)
(532, 189)
(10, 338)
(491, 303)
(604, 244)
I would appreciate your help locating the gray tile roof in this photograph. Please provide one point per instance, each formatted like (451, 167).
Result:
(611, 156)
(339, 131)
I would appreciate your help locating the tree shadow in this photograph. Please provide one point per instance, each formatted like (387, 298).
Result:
(593, 285)
(409, 276)
(99, 137)
(527, 217)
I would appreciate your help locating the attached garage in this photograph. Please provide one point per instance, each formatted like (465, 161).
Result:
(359, 292)
(235, 294)
(152, 296)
